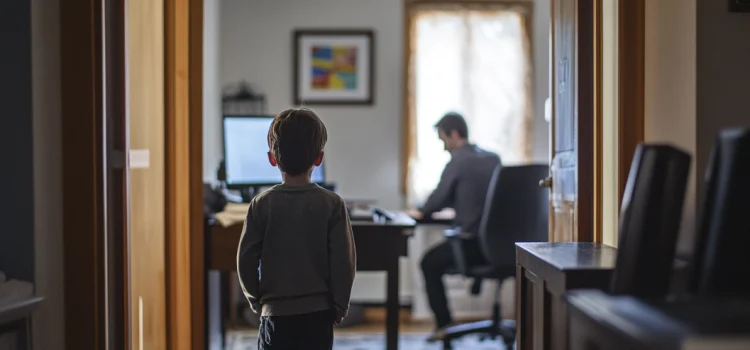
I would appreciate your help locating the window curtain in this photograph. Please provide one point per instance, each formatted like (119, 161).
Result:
(474, 60)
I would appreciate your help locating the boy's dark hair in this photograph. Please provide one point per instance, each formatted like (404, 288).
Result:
(453, 121)
(296, 138)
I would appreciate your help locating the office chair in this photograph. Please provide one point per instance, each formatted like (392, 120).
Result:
(650, 221)
(516, 210)
(722, 261)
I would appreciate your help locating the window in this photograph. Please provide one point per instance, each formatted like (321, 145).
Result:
(474, 61)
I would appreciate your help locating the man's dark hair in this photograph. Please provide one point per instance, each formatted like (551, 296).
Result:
(296, 138)
(453, 121)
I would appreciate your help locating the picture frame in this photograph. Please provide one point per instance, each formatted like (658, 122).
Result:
(333, 67)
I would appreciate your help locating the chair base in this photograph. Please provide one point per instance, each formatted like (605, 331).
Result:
(506, 329)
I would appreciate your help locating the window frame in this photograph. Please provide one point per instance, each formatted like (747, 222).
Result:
(411, 8)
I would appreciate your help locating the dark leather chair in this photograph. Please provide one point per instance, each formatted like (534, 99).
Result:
(722, 261)
(516, 210)
(650, 221)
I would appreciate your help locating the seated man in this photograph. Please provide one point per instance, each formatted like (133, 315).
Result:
(463, 187)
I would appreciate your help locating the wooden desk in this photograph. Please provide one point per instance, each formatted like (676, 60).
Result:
(544, 272)
(16, 318)
(379, 247)
(603, 322)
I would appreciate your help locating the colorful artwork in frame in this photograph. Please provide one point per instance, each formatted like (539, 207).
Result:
(333, 67)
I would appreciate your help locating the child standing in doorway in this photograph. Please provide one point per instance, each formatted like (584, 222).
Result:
(296, 259)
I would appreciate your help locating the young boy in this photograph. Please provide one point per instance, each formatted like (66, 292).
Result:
(296, 259)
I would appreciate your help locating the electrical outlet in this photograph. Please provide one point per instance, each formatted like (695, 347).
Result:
(739, 5)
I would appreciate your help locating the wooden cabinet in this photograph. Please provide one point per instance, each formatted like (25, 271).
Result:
(544, 272)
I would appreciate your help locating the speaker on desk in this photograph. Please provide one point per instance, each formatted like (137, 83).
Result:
(650, 221)
(722, 253)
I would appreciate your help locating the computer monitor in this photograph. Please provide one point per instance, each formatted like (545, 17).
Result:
(245, 153)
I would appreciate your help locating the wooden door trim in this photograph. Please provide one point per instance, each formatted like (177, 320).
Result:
(197, 221)
(588, 117)
(184, 176)
(585, 146)
(117, 194)
(83, 173)
(408, 129)
(631, 97)
(598, 194)
(177, 114)
(631, 63)
(553, 120)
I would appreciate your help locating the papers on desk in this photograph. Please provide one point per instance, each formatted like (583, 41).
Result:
(360, 214)
(233, 213)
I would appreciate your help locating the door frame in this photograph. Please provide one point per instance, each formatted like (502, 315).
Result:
(631, 47)
(82, 65)
(631, 83)
(186, 282)
(588, 119)
(186, 285)
(94, 176)
(631, 29)
(82, 165)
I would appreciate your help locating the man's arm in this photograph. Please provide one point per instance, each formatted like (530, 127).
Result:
(248, 260)
(342, 260)
(442, 196)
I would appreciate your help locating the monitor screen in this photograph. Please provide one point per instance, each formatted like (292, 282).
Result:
(246, 149)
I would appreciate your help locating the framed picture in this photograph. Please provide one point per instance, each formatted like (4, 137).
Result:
(333, 67)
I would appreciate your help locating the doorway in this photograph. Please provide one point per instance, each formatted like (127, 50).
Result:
(173, 308)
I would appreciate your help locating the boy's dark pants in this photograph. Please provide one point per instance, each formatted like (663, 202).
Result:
(313, 331)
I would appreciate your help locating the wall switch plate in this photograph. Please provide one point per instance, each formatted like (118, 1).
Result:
(739, 5)
(139, 159)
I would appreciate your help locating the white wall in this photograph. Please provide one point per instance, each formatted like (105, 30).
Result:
(212, 135)
(48, 325)
(364, 148)
(696, 83)
(723, 76)
(670, 110)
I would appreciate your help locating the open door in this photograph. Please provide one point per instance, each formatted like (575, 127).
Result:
(572, 91)
(95, 178)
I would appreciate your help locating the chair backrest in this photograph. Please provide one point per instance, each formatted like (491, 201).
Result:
(516, 210)
(722, 260)
(650, 221)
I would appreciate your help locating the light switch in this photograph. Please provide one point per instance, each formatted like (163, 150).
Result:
(139, 159)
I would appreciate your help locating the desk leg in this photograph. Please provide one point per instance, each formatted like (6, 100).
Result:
(23, 334)
(29, 338)
(225, 307)
(524, 311)
(234, 285)
(215, 335)
(392, 306)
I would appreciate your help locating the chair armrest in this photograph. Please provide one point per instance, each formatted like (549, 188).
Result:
(456, 239)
